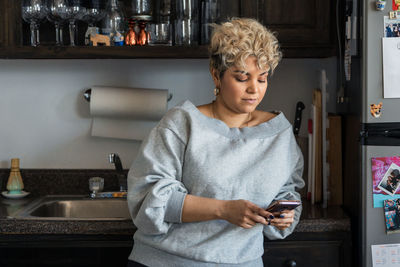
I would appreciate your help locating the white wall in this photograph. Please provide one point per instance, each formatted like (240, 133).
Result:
(45, 121)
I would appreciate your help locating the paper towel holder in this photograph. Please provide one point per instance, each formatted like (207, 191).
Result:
(88, 94)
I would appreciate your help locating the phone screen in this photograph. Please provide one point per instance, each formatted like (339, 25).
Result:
(279, 206)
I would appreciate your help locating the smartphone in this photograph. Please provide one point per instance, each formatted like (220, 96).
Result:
(281, 205)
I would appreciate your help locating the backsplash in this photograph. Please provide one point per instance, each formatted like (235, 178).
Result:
(54, 130)
(40, 182)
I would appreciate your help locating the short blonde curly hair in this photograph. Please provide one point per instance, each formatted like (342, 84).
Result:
(234, 41)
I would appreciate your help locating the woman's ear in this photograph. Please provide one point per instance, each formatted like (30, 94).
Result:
(215, 77)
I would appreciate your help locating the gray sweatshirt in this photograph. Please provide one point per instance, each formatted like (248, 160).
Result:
(190, 153)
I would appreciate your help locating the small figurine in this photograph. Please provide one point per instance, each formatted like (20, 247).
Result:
(100, 38)
(143, 37)
(130, 38)
(89, 32)
(118, 39)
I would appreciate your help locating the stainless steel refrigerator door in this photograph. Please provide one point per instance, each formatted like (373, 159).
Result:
(372, 68)
(373, 221)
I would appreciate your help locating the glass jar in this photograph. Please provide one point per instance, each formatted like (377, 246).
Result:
(114, 23)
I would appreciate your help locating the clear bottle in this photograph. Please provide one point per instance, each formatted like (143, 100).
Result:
(15, 184)
(113, 24)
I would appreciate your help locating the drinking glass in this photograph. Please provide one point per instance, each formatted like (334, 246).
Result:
(57, 12)
(113, 23)
(165, 8)
(186, 9)
(33, 12)
(96, 184)
(74, 12)
(94, 12)
(186, 31)
(142, 9)
(186, 22)
(209, 14)
(160, 33)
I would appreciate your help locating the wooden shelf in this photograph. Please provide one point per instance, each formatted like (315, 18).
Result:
(303, 51)
(102, 52)
(172, 52)
(305, 30)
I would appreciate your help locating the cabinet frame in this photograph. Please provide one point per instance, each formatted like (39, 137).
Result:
(12, 47)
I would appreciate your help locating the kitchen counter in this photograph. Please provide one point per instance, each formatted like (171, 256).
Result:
(316, 224)
(41, 182)
(313, 219)
(322, 233)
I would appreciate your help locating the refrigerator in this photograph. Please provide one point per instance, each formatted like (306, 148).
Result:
(366, 136)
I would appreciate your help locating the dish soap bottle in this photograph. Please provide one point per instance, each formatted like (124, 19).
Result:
(15, 184)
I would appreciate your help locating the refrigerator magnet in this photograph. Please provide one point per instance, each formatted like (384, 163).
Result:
(376, 110)
(394, 15)
(391, 180)
(395, 5)
(380, 4)
(391, 208)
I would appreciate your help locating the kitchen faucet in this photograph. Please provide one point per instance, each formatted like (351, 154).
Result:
(122, 180)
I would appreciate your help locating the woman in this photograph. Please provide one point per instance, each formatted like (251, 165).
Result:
(202, 180)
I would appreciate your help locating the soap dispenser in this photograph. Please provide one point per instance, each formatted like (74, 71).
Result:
(15, 184)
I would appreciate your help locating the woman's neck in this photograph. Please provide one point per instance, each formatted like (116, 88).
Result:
(233, 120)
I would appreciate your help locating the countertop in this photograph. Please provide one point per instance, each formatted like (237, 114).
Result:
(41, 182)
(314, 219)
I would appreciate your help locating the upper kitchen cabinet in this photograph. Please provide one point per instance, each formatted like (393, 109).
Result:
(304, 28)
(2, 24)
(16, 36)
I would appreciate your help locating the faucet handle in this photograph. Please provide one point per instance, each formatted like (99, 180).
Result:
(111, 157)
(114, 158)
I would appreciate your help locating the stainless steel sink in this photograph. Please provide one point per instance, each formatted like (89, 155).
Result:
(75, 208)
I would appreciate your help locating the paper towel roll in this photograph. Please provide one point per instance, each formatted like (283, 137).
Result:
(121, 128)
(126, 113)
(128, 103)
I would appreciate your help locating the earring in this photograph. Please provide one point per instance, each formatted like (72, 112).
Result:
(216, 91)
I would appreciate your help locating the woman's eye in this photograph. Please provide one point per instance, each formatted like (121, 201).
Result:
(241, 80)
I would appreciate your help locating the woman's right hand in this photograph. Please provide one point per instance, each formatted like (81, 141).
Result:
(244, 213)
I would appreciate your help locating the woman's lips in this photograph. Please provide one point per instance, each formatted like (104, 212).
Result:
(250, 101)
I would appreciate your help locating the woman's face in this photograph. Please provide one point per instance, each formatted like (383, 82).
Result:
(241, 90)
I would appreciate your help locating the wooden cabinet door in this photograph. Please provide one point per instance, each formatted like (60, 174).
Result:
(229, 9)
(2, 23)
(10, 22)
(304, 253)
(300, 23)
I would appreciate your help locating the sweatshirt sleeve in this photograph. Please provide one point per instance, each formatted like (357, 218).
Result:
(155, 191)
(288, 192)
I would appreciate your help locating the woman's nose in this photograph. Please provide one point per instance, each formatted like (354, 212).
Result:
(252, 87)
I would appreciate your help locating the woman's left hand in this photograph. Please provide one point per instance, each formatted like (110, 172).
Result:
(283, 219)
